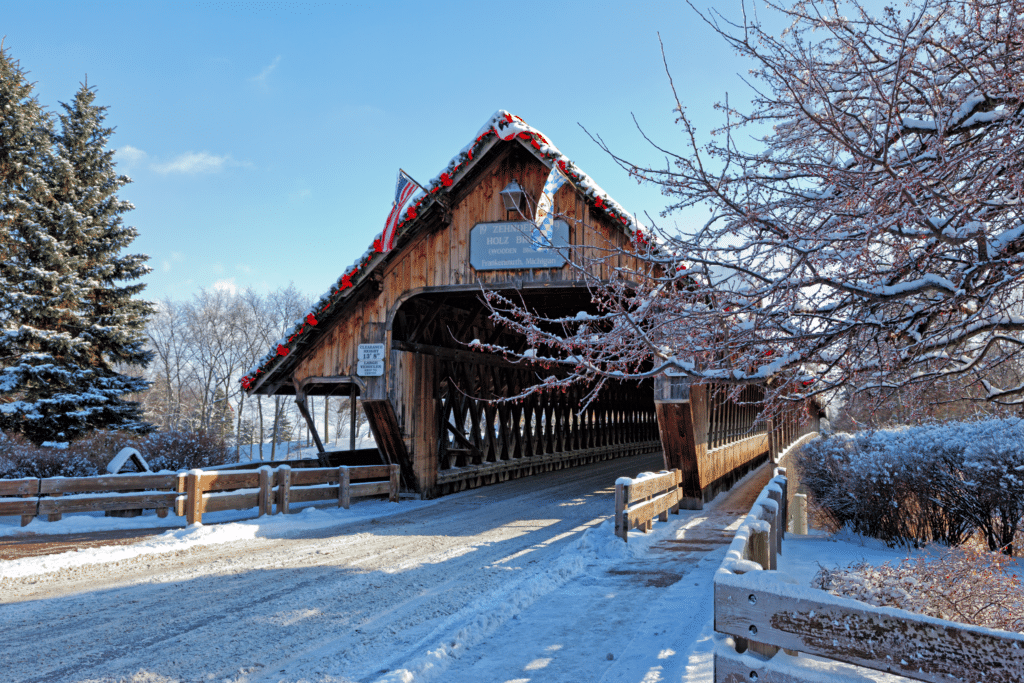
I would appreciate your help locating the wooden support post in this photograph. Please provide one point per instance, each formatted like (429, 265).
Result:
(194, 497)
(683, 428)
(620, 509)
(54, 516)
(760, 548)
(393, 484)
(778, 521)
(769, 513)
(352, 407)
(27, 519)
(327, 420)
(344, 492)
(300, 401)
(284, 488)
(266, 497)
(780, 479)
(800, 513)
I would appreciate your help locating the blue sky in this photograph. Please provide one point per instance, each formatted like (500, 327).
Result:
(264, 138)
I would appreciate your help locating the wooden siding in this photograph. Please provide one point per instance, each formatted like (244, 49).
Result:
(438, 256)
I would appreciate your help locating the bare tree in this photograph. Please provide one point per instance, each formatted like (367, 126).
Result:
(167, 338)
(864, 225)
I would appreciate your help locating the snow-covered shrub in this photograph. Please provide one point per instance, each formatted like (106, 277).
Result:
(21, 459)
(919, 484)
(180, 450)
(89, 455)
(967, 586)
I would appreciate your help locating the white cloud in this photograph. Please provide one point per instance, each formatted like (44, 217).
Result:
(193, 162)
(130, 156)
(226, 285)
(167, 266)
(261, 80)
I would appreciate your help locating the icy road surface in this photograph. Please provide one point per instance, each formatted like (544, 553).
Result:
(519, 582)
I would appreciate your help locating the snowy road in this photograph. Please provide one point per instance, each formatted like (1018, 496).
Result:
(505, 583)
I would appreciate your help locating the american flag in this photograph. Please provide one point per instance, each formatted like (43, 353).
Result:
(404, 189)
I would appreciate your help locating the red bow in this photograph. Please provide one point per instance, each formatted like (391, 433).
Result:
(282, 350)
(311, 319)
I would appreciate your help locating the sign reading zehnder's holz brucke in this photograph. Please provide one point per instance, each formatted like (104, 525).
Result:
(510, 246)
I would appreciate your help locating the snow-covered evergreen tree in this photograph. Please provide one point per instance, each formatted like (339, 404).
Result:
(85, 187)
(66, 323)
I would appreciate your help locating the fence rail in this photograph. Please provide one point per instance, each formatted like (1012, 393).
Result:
(639, 501)
(190, 494)
(764, 614)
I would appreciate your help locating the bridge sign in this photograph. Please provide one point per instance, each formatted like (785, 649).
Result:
(509, 245)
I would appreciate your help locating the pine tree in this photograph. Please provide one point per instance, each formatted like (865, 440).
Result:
(66, 323)
(38, 292)
(86, 186)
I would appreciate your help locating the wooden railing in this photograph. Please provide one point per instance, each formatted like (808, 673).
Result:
(764, 614)
(193, 493)
(714, 438)
(639, 501)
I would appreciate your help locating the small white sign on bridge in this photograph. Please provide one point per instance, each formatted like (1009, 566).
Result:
(371, 352)
(370, 368)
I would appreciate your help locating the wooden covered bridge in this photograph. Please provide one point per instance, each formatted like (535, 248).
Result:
(396, 331)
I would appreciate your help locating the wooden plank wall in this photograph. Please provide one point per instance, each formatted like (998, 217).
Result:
(439, 258)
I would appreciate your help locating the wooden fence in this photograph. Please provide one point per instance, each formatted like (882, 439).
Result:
(763, 614)
(192, 493)
(639, 501)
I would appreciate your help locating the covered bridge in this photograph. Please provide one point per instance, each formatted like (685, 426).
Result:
(395, 328)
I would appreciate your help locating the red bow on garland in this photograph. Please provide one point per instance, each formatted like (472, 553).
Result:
(311, 319)
(282, 350)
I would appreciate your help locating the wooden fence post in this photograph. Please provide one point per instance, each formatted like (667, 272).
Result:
(27, 519)
(780, 519)
(770, 514)
(800, 513)
(393, 484)
(54, 516)
(266, 499)
(760, 548)
(344, 492)
(284, 488)
(620, 507)
(194, 497)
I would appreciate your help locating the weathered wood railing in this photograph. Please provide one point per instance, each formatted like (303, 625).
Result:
(764, 614)
(714, 437)
(192, 493)
(638, 501)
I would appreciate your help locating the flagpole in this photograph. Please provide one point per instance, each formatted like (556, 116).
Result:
(413, 180)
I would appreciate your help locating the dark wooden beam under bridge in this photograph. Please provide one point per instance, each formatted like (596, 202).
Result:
(328, 386)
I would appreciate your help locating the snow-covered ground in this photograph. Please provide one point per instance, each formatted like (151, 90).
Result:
(516, 583)
(294, 450)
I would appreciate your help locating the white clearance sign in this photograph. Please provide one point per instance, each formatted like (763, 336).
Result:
(371, 360)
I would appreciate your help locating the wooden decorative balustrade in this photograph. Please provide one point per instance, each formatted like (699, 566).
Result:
(481, 442)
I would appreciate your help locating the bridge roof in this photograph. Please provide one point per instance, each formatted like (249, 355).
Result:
(502, 126)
